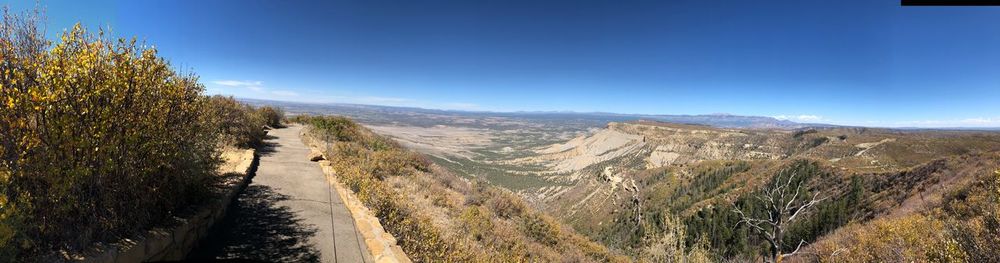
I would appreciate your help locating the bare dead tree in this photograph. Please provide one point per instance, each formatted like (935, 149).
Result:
(784, 203)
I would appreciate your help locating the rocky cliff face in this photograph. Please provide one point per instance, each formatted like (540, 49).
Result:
(686, 144)
(643, 145)
(593, 170)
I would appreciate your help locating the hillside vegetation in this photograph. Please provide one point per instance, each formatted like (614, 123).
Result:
(959, 224)
(669, 192)
(101, 139)
(674, 192)
(437, 216)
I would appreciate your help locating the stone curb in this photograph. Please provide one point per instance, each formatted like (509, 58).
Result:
(173, 244)
(380, 243)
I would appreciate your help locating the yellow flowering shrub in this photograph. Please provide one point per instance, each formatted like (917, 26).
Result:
(100, 139)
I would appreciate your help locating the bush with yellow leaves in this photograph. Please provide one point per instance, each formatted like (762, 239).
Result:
(100, 139)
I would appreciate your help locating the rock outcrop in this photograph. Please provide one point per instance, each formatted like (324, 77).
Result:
(315, 156)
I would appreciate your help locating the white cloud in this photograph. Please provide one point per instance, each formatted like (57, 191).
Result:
(969, 122)
(801, 118)
(232, 87)
(285, 93)
(985, 121)
(393, 101)
(256, 86)
(385, 99)
(461, 105)
(389, 101)
(237, 83)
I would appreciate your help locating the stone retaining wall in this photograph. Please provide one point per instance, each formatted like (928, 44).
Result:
(174, 243)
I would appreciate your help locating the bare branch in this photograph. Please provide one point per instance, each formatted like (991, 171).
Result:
(753, 222)
(798, 189)
(806, 206)
(835, 252)
(789, 181)
(796, 251)
(782, 189)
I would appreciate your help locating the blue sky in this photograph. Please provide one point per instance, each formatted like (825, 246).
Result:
(867, 63)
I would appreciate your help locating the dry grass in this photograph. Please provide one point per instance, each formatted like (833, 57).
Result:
(958, 221)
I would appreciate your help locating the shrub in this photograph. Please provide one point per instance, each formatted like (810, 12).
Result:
(506, 207)
(542, 228)
(238, 124)
(476, 221)
(906, 239)
(333, 128)
(273, 116)
(100, 138)
(978, 235)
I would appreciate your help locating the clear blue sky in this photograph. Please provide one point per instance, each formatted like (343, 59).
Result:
(846, 62)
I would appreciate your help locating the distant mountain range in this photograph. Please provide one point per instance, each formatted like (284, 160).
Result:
(368, 112)
(378, 113)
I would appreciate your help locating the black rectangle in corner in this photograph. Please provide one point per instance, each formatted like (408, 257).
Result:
(949, 2)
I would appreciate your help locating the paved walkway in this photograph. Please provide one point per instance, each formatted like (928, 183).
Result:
(288, 213)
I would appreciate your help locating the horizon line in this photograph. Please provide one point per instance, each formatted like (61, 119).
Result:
(806, 124)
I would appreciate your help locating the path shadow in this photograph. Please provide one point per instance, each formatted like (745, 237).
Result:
(256, 228)
(268, 147)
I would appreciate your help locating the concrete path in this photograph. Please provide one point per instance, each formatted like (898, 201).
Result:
(290, 209)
